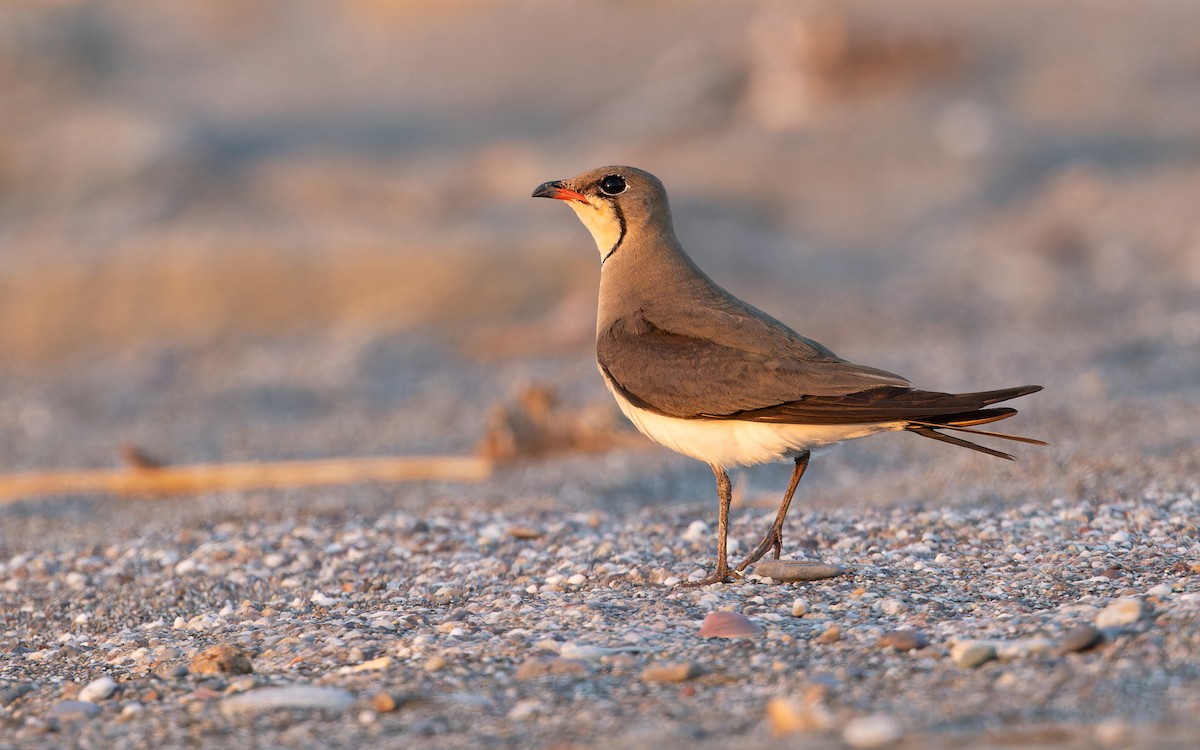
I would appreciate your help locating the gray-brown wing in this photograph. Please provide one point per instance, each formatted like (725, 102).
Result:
(687, 376)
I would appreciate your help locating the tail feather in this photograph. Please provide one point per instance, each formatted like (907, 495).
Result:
(964, 423)
(929, 432)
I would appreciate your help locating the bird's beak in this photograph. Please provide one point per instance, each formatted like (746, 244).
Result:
(554, 189)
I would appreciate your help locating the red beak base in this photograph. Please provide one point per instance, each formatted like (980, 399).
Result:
(555, 189)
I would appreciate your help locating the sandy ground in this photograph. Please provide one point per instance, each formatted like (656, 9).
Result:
(231, 232)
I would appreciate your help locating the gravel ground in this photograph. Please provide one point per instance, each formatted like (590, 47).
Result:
(471, 629)
(235, 231)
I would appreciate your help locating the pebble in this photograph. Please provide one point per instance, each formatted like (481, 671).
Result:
(867, 732)
(1081, 638)
(98, 689)
(131, 711)
(322, 600)
(222, 659)
(290, 696)
(970, 654)
(435, 663)
(789, 571)
(831, 634)
(1124, 611)
(721, 624)
(1161, 591)
(904, 640)
(525, 709)
(524, 532)
(584, 652)
(385, 702)
(671, 672)
(73, 710)
(787, 716)
(8, 695)
(799, 607)
(537, 666)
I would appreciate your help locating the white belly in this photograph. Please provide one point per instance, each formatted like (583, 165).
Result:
(732, 442)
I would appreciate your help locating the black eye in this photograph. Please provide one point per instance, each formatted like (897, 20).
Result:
(614, 184)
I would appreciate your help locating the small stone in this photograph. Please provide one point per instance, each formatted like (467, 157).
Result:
(221, 659)
(373, 665)
(970, 654)
(796, 570)
(524, 532)
(697, 531)
(385, 702)
(131, 711)
(904, 640)
(831, 634)
(722, 624)
(787, 716)
(866, 732)
(673, 672)
(435, 663)
(525, 709)
(1121, 612)
(292, 696)
(98, 689)
(538, 666)
(585, 652)
(241, 684)
(11, 694)
(1081, 638)
(1161, 591)
(171, 671)
(322, 600)
(892, 606)
(73, 710)
(1020, 648)
(799, 607)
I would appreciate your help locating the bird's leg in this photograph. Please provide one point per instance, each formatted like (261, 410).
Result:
(725, 495)
(774, 537)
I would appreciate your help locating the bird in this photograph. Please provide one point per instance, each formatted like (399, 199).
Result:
(709, 376)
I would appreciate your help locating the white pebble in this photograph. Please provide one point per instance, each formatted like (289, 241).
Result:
(1161, 591)
(697, 531)
(799, 607)
(577, 580)
(131, 709)
(321, 600)
(98, 689)
(893, 606)
(1121, 612)
(524, 709)
(878, 730)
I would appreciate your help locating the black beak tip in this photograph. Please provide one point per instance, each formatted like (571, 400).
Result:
(547, 189)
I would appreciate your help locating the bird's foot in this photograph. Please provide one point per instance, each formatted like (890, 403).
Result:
(772, 541)
(719, 576)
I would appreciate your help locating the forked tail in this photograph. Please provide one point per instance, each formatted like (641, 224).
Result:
(966, 421)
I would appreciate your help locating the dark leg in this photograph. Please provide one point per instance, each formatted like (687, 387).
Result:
(725, 495)
(774, 538)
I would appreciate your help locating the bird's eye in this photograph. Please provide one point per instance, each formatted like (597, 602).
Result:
(614, 184)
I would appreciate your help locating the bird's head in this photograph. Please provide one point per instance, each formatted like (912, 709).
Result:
(614, 203)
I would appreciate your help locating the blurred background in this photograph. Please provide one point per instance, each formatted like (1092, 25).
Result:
(252, 229)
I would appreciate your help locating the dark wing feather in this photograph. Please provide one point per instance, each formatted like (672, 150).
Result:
(890, 405)
(690, 374)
